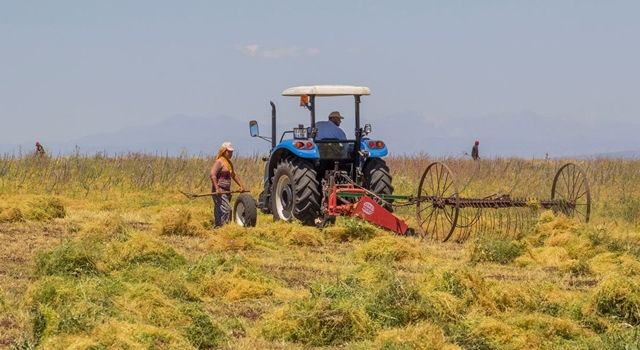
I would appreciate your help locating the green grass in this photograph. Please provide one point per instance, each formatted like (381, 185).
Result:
(487, 249)
(619, 298)
(69, 258)
(44, 209)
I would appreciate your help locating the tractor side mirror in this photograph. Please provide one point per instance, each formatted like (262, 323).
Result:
(253, 128)
(367, 129)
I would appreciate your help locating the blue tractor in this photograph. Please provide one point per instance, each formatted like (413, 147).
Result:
(296, 175)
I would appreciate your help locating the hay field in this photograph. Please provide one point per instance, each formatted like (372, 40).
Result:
(104, 253)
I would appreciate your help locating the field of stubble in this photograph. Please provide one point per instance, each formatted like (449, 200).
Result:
(104, 253)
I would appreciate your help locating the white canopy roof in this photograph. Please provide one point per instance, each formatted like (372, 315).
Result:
(327, 90)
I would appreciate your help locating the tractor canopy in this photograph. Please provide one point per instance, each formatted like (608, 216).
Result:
(327, 90)
(308, 96)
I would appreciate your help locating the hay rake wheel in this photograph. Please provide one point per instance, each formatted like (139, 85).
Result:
(442, 213)
(571, 191)
(437, 206)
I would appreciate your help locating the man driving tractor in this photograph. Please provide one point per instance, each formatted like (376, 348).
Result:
(331, 129)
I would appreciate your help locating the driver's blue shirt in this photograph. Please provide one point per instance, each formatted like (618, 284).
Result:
(328, 130)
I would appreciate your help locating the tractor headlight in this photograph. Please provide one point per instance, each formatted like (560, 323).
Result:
(300, 132)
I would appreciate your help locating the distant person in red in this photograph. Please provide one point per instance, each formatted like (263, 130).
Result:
(475, 153)
(221, 175)
(40, 149)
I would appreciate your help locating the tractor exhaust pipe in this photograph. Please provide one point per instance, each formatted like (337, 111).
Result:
(273, 124)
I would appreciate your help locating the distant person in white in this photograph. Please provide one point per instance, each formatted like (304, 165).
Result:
(331, 129)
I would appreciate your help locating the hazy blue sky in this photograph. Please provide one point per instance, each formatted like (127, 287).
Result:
(559, 76)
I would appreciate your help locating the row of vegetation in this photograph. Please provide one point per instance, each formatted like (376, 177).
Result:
(614, 182)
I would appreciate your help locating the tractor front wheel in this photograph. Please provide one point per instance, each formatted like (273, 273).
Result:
(295, 192)
(244, 210)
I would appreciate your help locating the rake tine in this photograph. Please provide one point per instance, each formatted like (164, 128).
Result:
(506, 223)
(496, 221)
(517, 223)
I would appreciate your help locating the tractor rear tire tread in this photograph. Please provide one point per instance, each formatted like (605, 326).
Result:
(378, 179)
(306, 189)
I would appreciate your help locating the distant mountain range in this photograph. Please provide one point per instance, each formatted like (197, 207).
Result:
(526, 135)
(173, 136)
(621, 154)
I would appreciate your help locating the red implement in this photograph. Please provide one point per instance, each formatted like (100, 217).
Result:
(365, 208)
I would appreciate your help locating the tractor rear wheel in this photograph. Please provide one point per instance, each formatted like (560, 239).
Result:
(295, 192)
(377, 179)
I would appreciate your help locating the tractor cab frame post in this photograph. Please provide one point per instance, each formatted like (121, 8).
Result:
(358, 132)
(312, 106)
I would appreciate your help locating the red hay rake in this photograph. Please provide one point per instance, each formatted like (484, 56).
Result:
(443, 214)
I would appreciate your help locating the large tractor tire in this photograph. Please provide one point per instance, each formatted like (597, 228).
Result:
(295, 192)
(377, 179)
(244, 211)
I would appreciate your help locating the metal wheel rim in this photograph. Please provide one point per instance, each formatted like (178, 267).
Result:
(240, 214)
(449, 213)
(284, 198)
(571, 179)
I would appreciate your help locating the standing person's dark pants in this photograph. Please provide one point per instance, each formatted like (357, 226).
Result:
(221, 209)
(222, 204)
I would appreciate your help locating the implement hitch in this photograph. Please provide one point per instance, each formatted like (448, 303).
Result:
(365, 208)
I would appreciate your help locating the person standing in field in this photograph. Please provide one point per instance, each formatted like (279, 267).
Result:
(475, 153)
(222, 173)
(39, 149)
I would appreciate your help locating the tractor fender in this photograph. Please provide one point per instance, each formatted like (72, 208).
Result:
(286, 148)
(373, 153)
